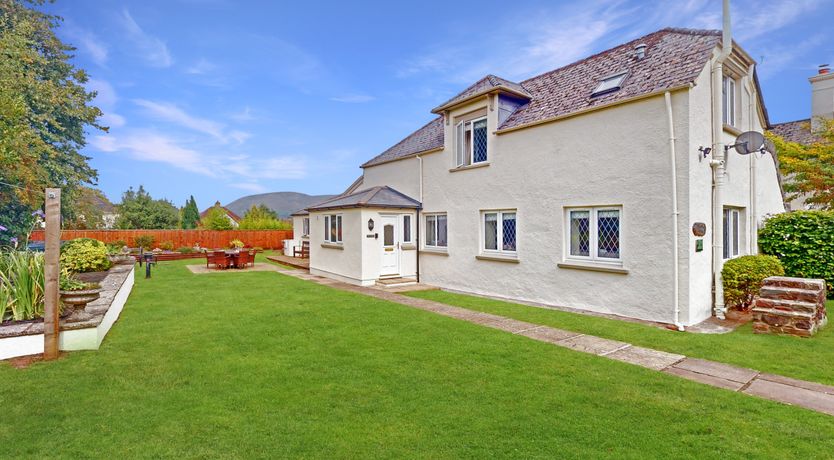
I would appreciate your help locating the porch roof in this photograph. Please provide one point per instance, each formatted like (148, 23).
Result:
(374, 197)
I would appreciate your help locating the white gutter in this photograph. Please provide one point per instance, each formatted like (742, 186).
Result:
(718, 163)
(675, 213)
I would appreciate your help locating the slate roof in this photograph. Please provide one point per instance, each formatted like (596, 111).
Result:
(429, 137)
(674, 57)
(483, 86)
(374, 197)
(798, 131)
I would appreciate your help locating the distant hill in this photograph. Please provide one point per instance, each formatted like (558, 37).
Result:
(284, 203)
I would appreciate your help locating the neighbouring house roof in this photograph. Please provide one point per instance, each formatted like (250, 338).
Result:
(483, 86)
(300, 212)
(673, 58)
(229, 213)
(374, 197)
(798, 131)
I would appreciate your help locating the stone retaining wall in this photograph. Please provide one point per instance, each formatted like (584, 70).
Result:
(794, 306)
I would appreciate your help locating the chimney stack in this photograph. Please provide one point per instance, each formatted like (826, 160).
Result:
(640, 51)
(822, 96)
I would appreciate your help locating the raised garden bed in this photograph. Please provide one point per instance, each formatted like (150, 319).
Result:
(80, 330)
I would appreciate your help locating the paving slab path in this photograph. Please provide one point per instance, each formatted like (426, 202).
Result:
(786, 390)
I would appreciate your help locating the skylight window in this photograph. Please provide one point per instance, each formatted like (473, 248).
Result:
(609, 84)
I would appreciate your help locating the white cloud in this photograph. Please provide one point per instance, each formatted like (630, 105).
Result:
(149, 146)
(153, 50)
(106, 99)
(250, 187)
(353, 98)
(762, 18)
(201, 67)
(171, 113)
(244, 115)
(152, 146)
(91, 45)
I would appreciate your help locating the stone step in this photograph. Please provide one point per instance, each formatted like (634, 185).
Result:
(763, 303)
(797, 283)
(791, 294)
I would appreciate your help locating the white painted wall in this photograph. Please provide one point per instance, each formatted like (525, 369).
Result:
(614, 156)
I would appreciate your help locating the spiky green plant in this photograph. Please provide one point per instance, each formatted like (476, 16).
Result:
(21, 285)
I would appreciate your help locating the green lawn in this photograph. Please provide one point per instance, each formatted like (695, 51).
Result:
(808, 359)
(260, 364)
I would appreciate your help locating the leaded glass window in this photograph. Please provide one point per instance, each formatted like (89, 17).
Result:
(436, 232)
(594, 234)
(479, 141)
(406, 229)
(471, 142)
(499, 231)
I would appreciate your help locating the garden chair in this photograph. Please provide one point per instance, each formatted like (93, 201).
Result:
(244, 259)
(304, 252)
(218, 258)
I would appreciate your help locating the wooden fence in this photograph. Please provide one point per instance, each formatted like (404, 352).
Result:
(267, 239)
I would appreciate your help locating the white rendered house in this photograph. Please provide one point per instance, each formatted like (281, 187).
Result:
(593, 186)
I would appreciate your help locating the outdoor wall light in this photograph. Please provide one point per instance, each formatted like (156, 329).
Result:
(370, 224)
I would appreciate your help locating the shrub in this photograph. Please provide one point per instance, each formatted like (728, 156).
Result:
(166, 245)
(185, 250)
(804, 243)
(84, 255)
(743, 278)
(145, 241)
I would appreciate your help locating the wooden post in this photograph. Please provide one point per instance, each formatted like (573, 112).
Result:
(52, 271)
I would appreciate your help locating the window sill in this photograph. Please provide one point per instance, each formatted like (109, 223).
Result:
(498, 258)
(333, 246)
(435, 252)
(731, 129)
(408, 247)
(593, 267)
(472, 166)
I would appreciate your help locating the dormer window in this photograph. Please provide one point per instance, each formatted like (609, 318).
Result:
(471, 142)
(609, 84)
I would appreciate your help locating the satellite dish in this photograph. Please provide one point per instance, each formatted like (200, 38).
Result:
(749, 142)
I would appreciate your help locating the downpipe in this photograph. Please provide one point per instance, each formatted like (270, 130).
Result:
(675, 213)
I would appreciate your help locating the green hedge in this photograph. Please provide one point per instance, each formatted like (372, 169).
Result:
(804, 243)
(743, 278)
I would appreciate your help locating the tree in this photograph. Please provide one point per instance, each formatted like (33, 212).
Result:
(138, 210)
(261, 217)
(44, 112)
(809, 169)
(216, 219)
(190, 214)
(90, 205)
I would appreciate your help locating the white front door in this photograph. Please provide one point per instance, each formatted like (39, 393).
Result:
(390, 246)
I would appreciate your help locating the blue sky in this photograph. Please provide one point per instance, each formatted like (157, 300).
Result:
(220, 99)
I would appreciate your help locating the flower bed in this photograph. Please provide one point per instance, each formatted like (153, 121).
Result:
(80, 330)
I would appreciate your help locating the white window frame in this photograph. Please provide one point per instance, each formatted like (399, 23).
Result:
(499, 242)
(729, 90)
(434, 216)
(732, 224)
(593, 236)
(305, 226)
(460, 135)
(328, 222)
(407, 229)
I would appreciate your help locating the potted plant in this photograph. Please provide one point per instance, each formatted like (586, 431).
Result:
(120, 255)
(236, 244)
(77, 293)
